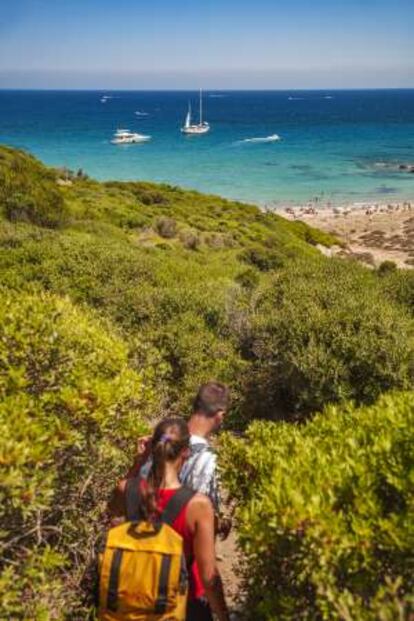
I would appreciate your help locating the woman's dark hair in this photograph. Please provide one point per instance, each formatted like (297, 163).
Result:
(170, 437)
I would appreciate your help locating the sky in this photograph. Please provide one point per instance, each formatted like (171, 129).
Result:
(217, 44)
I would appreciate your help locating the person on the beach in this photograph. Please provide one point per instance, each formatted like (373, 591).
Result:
(170, 447)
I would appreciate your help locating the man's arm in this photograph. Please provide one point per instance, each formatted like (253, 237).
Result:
(201, 517)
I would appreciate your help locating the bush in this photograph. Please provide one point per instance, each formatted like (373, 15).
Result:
(322, 332)
(326, 516)
(398, 287)
(264, 259)
(70, 408)
(28, 191)
(386, 267)
(189, 239)
(249, 278)
(166, 227)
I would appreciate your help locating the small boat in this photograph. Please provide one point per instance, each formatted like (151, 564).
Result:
(124, 136)
(195, 129)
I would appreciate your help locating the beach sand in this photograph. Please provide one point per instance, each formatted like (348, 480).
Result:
(372, 233)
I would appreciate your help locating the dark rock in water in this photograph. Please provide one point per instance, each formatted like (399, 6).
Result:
(383, 189)
(402, 167)
(301, 167)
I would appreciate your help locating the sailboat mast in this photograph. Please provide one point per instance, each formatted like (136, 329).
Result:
(201, 108)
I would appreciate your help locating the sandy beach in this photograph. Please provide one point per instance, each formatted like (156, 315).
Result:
(372, 233)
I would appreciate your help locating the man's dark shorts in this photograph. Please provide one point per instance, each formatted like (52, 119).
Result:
(198, 610)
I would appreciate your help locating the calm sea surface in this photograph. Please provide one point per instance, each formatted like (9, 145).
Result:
(337, 145)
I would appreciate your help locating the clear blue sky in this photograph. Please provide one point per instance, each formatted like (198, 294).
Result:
(214, 43)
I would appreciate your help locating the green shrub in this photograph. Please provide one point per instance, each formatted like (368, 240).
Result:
(189, 239)
(249, 278)
(322, 332)
(70, 409)
(28, 191)
(264, 259)
(386, 267)
(326, 513)
(148, 293)
(398, 286)
(166, 227)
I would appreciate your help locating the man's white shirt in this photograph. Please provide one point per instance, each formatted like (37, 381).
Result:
(199, 471)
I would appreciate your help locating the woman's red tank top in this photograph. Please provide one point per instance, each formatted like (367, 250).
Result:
(180, 526)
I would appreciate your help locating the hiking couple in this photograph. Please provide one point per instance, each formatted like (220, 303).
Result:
(171, 502)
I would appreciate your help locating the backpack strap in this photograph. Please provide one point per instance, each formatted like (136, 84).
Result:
(132, 500)
(181, 497)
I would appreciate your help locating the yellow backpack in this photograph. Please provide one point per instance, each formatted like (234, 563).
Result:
(143, 573)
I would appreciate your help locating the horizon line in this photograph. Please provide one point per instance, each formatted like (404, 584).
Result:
(227, 90)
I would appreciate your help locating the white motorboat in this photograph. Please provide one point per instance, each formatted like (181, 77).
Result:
(195, 129)
(124, 136)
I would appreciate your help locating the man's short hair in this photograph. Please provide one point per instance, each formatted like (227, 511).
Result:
(211, 398)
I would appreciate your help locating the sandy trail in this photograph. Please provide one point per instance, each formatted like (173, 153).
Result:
(228, 557)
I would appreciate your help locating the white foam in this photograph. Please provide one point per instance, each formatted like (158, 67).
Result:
(139, 113)
(272, 138)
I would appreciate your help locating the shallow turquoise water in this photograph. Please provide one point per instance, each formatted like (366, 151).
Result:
(337, 145)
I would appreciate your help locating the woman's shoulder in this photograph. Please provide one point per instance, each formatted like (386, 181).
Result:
(200, 504)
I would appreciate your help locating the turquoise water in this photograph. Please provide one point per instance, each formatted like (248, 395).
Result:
(337, 145)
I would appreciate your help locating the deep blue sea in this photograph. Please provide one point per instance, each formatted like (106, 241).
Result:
(335, 145)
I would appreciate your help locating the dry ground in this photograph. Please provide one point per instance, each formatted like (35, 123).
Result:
(372, 234)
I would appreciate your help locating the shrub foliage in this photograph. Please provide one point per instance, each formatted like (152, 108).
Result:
(69, 410)
(28, 191)
(326, 513)
(322, 332)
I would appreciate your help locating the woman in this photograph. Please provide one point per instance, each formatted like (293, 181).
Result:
(195, 522)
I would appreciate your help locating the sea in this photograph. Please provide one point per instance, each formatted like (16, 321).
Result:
(273, 148)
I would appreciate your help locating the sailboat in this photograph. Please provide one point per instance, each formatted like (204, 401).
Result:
(195, 128)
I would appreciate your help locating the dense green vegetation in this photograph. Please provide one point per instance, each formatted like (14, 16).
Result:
(28, 190)
(118, 299)
(327, 513)
(69, 406)
(321, 334)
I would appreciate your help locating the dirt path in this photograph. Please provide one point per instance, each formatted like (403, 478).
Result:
(229, 562)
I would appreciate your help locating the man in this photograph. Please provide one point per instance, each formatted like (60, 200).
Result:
(199, 472)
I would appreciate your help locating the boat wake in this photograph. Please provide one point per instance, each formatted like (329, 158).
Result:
(272, 138)
(139, 113)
